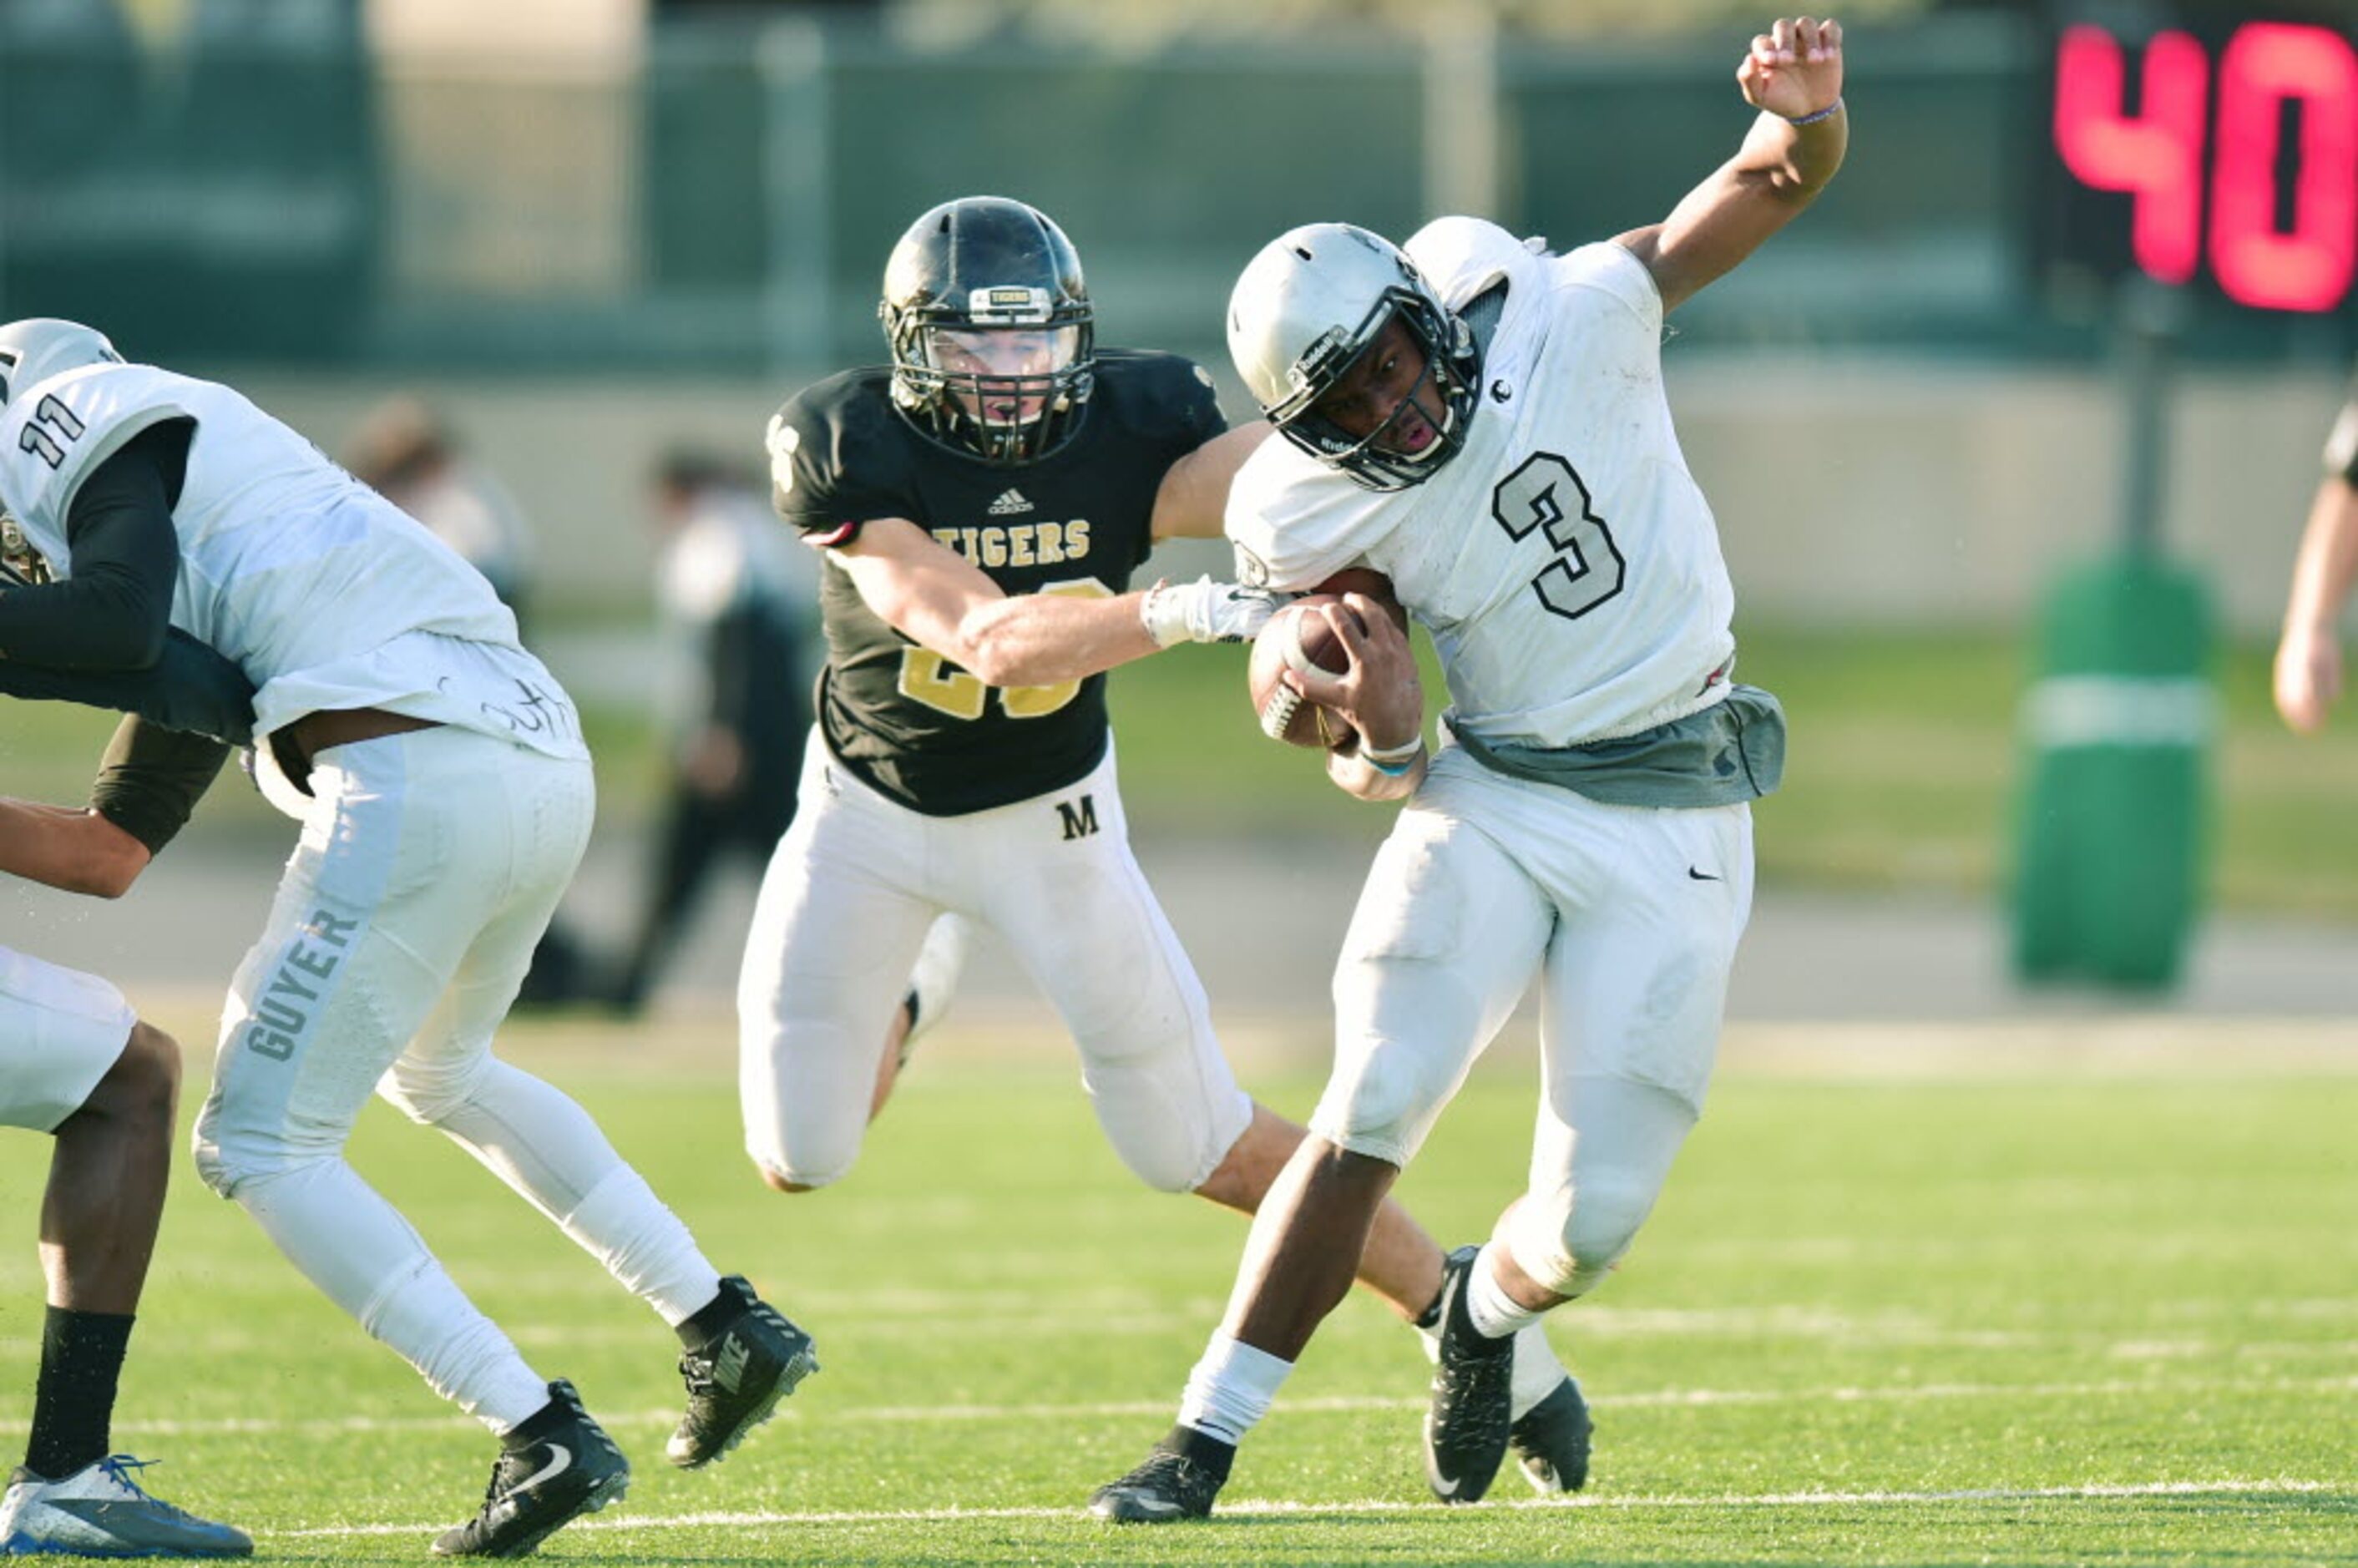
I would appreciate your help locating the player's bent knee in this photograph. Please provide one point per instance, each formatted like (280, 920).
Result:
(143, 1084)
(1180, 1167)
(157, 1053)
(1569, 1252)
(231, 1157)
(429, 1095)
(1382, 1108)
(778, 1181)
(809, 1158)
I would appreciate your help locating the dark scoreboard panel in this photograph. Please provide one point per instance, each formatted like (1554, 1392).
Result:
(2208, 146)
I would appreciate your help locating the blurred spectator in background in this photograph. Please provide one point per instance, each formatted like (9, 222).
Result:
(404, 452)
(737, 600)
(2309, 657)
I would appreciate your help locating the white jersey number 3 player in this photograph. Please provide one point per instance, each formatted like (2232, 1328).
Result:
(1486, 424)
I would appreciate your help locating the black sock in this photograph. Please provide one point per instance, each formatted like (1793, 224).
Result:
(74, 1405)
(1200, 1448)
(551, 1417)
(710, 1321)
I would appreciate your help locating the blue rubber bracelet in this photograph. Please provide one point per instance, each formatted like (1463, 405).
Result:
(1828, 113)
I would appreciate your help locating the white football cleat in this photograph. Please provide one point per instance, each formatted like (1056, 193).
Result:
(100, 1512)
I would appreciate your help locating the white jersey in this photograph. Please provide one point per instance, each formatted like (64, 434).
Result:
(325, 594)
(1564, 561)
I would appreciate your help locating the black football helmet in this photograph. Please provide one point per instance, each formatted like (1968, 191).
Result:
(990, 328)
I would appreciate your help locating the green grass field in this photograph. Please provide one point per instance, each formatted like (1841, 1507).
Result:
(1902, 774)
(1990, 1309)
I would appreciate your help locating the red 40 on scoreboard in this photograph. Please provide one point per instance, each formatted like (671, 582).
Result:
(2223, 149)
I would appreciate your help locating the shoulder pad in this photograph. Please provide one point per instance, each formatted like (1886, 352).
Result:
(1153, 392)
(1463, 256)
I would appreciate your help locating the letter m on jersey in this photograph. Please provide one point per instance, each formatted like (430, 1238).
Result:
(1080, 818)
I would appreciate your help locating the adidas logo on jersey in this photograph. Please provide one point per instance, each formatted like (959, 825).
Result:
(1009, 503)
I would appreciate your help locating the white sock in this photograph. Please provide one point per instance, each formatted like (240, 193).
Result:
(625, 1227)
(539, 1140)
(1231, 1389)
(1496, 1314)
(346, 1239)
(532, 1136)
(1538, 1373)
(462, 1354)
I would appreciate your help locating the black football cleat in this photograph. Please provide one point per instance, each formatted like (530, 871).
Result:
(565, 1467)
(1549, 1441)
(1178, 1481)
(735, 1381)
(1473, 1395)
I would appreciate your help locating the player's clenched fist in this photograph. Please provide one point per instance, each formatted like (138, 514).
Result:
(1378, 695)
(1795, 68)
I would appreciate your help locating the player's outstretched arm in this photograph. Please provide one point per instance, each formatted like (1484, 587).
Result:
(1794, 75)
(2308, 656)
(931, 594)
(114, 612)
(78, 850)
(1193, 499)
(148, 783)
(191, 687)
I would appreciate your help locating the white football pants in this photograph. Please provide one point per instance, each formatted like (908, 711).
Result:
(429, 864)
(60, 1032)
(847, 901)
(1628, 915)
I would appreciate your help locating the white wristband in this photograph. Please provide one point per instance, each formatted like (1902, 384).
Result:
(1392, 760)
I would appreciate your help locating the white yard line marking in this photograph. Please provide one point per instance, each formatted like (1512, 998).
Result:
(2280, 1487)
(1340, 1405)
(1109, 1315)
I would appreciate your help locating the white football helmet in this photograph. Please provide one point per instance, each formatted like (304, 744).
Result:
(1307, 307)
(39, 346)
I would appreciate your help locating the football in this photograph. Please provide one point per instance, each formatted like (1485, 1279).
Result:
(1297, 638)
(1369, 581)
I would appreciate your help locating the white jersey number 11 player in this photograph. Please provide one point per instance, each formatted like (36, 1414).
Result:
(444, 796)
(1486, 424)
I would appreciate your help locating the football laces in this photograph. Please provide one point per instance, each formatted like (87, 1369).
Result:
(1277, 713)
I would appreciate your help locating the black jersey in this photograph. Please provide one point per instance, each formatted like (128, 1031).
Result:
(910, 723)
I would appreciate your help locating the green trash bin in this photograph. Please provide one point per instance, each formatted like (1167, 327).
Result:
(2118, 725)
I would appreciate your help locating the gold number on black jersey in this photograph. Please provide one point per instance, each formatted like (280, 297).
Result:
(929, 678)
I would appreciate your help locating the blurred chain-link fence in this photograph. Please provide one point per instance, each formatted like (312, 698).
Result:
(720, 198)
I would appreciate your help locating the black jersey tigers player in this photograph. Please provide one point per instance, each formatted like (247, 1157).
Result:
(983, 502)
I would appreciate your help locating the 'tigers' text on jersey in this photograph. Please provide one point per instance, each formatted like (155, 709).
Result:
(1020, 544)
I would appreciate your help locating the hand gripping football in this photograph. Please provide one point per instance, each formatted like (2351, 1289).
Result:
(1298, 638)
